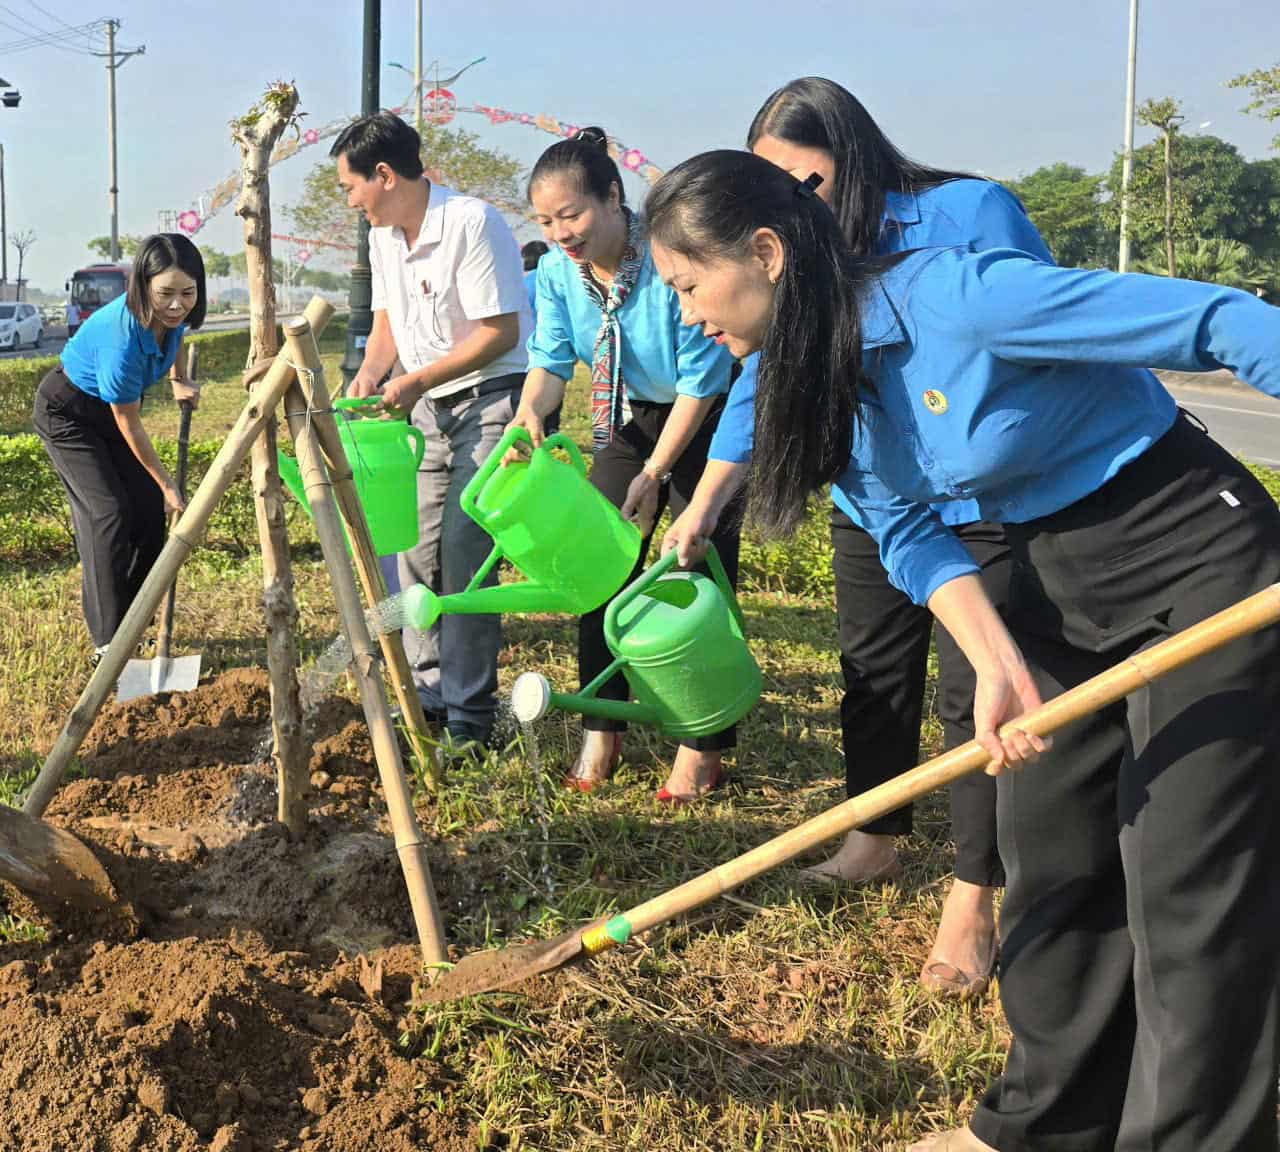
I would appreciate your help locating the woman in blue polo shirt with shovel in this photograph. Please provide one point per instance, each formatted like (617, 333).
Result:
(1138, 933)
(88, 415)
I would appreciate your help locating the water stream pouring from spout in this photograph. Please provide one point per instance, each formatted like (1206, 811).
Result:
(385, 616)
(533, 752)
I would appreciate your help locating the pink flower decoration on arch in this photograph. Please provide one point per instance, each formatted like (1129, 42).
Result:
(633, 159)
(310, 136)
(189, 221)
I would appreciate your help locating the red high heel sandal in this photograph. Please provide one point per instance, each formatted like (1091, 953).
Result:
(580, 779)
(665, 796)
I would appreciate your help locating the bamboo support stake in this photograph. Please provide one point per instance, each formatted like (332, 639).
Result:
(256, 135)
(186, 534)
(1258, 611)
(367, 567)
(409, 843)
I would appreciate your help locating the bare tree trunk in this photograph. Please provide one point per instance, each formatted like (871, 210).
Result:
(1168, 203)
(257, 135)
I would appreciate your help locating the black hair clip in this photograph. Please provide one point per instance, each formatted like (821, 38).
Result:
(808, 186)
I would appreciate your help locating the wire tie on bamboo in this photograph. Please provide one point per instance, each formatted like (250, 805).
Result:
(309, 391)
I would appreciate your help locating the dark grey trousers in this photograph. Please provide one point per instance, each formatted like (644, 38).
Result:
(1140, 932)
(455, 663)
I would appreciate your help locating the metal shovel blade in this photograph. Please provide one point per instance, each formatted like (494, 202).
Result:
(51, 866)
(504, 967)
(147, 677)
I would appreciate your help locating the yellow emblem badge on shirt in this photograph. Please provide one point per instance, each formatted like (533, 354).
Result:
(935, 401)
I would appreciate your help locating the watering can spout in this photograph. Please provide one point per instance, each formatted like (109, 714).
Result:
(422, 607)
(532, 698)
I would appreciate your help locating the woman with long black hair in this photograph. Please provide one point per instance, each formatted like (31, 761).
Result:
(1139, 950)
(88, 414)
(886, 202)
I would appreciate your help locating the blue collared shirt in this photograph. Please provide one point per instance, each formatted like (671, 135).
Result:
(531, 287)
(661, 358)
(1022, 387)
(977, 213)
(115, 357)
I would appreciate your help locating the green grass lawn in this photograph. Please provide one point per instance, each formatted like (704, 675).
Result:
(787, 1016)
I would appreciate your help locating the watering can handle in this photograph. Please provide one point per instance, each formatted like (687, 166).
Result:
(722, 579)
(560, 440)
(355, 403)
(510, 438)
(419, 446)
(514, 435)
(636, 588)
(660, 569)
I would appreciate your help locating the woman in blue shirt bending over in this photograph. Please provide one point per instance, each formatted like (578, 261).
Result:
(1139, 948)
(657, 389)
(884, 203)
(88, 414)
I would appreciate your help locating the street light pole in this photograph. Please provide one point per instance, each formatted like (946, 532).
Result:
(360, 294)
(1130, 96)
(417, 72)
(4, 236)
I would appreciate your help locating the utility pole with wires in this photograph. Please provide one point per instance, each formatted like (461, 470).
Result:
(114, 60)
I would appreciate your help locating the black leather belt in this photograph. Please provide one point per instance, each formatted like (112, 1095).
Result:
(484, 388)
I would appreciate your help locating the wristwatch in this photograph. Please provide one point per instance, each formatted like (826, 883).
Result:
(648, 469)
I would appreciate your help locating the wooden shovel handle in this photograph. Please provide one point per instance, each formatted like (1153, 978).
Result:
(1249, 615)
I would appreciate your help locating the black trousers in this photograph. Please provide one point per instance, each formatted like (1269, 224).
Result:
(117, 509)
(1140, 931)
(884, 652)
(612, 471)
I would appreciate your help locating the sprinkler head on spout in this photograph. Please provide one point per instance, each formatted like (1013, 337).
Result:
(530, 697)
(421, 606)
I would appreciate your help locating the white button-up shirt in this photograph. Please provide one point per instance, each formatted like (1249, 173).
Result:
(464, 268)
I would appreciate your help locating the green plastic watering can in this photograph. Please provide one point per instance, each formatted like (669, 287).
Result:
(679, 640)
(547, 520)
(384, 455)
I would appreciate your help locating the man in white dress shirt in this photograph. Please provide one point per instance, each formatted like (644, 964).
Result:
(449, 300)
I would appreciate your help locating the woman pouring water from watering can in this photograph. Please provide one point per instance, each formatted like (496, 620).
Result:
(88, 415)
(657, 390)
(1139, 950)
(886, 203)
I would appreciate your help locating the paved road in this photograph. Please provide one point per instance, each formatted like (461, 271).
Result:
(1244, 421)
(55, 336)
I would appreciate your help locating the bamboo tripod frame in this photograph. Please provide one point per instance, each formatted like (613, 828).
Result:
(281, 379)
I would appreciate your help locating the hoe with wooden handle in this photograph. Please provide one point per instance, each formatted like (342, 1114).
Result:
(502, 968)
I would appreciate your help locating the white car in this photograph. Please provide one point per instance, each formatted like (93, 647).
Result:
(20, 324)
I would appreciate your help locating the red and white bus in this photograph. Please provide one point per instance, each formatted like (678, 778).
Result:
(90, 288)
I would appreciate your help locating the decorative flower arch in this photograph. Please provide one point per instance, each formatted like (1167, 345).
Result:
(439, 107)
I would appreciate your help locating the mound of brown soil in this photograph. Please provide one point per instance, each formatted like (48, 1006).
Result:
(239, 1012)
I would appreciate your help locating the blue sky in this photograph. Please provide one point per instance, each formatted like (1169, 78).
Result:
(995, 86)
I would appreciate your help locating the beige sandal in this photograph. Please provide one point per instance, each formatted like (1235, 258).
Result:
(949, 981)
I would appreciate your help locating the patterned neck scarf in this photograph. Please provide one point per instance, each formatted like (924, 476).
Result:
(609, 407)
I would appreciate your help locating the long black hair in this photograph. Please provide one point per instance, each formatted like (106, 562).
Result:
(157, 254)
(586, 156)
(816, 113)
(709, 208)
